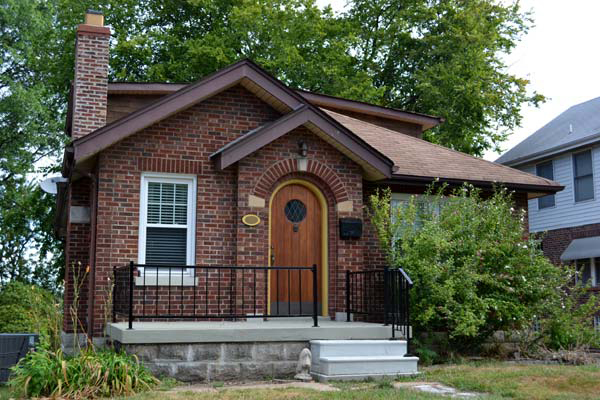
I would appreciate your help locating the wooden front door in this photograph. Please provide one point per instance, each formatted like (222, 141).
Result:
(296, 219)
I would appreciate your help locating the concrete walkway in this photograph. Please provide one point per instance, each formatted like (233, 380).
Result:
(427, 387)
(202, 388)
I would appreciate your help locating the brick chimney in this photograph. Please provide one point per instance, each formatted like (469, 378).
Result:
(90, 86)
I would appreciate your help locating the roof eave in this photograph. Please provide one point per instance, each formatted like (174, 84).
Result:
(425, 121)
(524, 187)
(552, 151)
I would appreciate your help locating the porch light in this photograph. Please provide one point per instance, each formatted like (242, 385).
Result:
(302, 148)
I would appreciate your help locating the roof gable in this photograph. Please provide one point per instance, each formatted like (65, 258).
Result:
(245, 72)
(374, 163)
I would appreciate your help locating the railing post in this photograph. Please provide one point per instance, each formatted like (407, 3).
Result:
(386, 295)
(130, 295)
(315, 296)
(408, 330)
(347, 296)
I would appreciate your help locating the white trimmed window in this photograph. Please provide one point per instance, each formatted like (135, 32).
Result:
(583, 176)
(597, 323)
(167, 221)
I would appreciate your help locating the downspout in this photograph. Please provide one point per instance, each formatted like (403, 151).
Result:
(92, 253)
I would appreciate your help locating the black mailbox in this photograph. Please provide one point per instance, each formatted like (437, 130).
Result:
(350, 228)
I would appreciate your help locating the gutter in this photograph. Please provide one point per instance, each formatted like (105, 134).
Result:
(421, 180)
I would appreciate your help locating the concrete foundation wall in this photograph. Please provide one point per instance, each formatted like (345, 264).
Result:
(205, 362)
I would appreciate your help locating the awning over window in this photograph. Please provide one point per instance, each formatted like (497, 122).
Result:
(582, 248)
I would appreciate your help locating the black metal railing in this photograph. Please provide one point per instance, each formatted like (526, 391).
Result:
(157, 292)
(381, 295)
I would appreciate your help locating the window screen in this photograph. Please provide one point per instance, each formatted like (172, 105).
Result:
(584, 177)
(545, 170)
(167, 223)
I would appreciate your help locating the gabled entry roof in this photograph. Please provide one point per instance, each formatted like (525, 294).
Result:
(375, 164)
(297, 112)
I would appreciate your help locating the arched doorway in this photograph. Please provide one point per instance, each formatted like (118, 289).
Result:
(297, 238)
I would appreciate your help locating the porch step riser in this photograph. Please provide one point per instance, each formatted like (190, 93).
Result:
(360, 359)
(408, 365)
(367, 348)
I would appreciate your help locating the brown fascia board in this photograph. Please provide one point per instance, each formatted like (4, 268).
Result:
(189, 95)
(256, 139)
(536, 190)
(147, 88)
(322, 100)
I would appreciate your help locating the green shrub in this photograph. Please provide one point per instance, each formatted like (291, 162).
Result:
(569, 324)
(30, 309)
(473, 271)
(87, 375)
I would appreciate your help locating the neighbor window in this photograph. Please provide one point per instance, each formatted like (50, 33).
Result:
(167, 222)
(588, 271)
(597, 322)
(545, 170)
(584, 177)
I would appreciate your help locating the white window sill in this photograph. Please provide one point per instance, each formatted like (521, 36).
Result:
(164, 281)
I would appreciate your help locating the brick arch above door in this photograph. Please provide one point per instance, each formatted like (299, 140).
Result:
(278, 170)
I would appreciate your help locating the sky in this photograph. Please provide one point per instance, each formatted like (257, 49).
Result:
(560, 56)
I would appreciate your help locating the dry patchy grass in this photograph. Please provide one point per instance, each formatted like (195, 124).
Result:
(511, 381)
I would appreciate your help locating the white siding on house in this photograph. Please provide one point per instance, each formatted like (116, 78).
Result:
(566, 213)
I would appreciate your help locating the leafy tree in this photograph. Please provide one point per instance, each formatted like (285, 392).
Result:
(474, 273)
(444, 57)
(32, 87)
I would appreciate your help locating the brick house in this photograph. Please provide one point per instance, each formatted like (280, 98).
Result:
(236, 169)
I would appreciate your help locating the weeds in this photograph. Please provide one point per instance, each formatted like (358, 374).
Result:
(90, 374)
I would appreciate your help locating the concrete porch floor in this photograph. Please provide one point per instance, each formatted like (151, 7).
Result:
(253, 330)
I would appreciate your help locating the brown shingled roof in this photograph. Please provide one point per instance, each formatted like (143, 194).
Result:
(418, 158)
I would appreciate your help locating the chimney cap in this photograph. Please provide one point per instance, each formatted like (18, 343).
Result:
(94, 17)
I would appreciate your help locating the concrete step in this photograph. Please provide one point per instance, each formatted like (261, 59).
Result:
(334, 348)
(360, 359)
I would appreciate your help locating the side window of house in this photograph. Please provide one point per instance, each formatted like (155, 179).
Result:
(545, 170)
(588, 271)
(167, 223)
(423, 203)
(583, 176)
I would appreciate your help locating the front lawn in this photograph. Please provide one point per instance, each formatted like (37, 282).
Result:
(496, 380)
(521, 381)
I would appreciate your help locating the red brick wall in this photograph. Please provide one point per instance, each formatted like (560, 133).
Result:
(181, 143)
(77, 256)
(90, 85)
(555, 242)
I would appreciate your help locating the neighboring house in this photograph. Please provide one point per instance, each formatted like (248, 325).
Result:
(236, 169)
(567, 151)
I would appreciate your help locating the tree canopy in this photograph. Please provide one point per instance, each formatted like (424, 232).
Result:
(439, 57)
